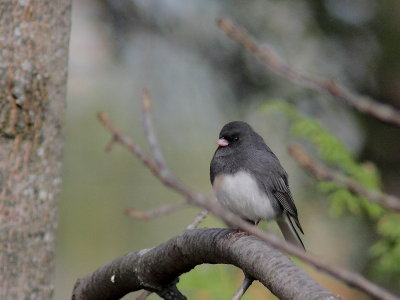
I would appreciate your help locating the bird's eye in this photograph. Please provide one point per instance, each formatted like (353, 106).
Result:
(236, 138)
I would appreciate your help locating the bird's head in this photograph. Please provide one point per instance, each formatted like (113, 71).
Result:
(235, 134)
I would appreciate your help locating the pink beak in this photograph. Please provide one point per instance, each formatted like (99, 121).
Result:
(222, 143)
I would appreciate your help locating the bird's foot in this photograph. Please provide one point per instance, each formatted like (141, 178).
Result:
(237, 233)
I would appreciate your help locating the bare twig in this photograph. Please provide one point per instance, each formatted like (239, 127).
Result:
(128, 143)
(323, 173)
(247, 281)
(150, 134)
(161, 165)
(351, 278)
(143, 295)
(278, 65)
(197, 220)
(156, 212)
(110, 145)
(156, 151)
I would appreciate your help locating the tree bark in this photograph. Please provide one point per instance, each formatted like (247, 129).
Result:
(157, 269)
(34, 37)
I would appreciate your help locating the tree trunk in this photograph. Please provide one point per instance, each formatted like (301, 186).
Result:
(34, 38)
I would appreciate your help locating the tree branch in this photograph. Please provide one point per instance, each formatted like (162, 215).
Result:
(198, 219)
(155, 212)
(145, 215)
(277, 64)
(165, 177)
(143, 295)
(322, 173)
(157, 269)
(150, 134)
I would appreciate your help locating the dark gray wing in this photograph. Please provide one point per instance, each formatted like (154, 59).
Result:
(271, 176)
(282, 193)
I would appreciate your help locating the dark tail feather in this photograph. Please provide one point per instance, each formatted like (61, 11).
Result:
(289, 231)
(297, 223)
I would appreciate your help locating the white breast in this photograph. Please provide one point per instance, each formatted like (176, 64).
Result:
(241, 194)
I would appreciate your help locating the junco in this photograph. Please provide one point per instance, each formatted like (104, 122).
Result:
(249, 180)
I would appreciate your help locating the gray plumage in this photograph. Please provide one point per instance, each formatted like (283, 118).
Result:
(249, 180)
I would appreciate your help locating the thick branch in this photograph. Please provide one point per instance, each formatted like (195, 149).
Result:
(277, 64)
(322, 173)
(157, 269)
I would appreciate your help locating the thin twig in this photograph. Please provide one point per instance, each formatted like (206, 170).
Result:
(118, 137)
(156, 212)
(158, 156)
(351, 278)
(197, 220)
(278, 65)
(323, 173)
(150, 133)
(247, 281)
(110, 145)
(143, 295)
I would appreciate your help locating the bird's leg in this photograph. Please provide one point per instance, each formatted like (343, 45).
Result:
(248, 280)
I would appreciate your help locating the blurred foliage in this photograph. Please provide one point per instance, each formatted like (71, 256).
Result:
(387, 250)
(208, 282)
(385, 253)
(214, 282)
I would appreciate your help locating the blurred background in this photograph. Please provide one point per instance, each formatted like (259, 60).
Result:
(199, 80)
